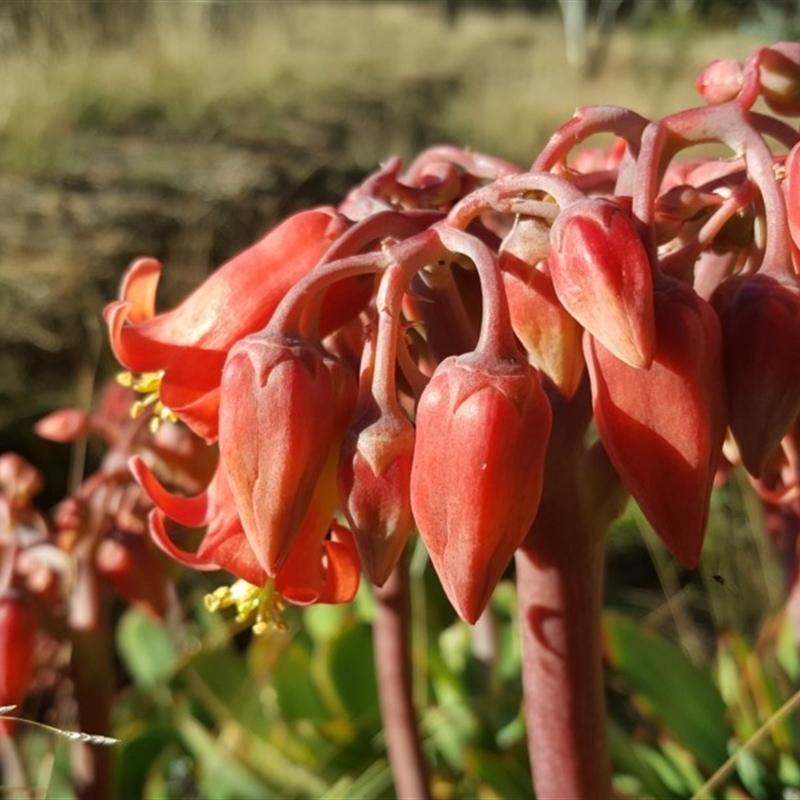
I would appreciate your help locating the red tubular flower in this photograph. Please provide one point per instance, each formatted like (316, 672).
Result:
(319, 569)
(476, 478)
(601, 274)
(284, 409)
(224, 545)
(760, 317)
(663, 427)
(20, 482)
(18, 626)
(185, 349)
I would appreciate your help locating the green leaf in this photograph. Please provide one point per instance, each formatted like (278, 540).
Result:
(787, 650)
(732, 656)
(284, 763)
(351, 669)
(501, 773)
(146, 648)
(630, 758)
(789, 770)
(666, 772)
(752, 774)
(323, 620)
(673, 688)
(221, 773)
(136, 755)
(223, 674)
(375, 781)
(364, 604)
(684, 764)
(298, 697)
(47, 758)
(452, 725)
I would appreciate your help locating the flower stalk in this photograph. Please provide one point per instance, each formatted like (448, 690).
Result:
(392, 647)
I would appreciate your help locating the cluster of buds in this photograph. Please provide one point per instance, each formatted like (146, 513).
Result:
(393, 364)
(56, 569)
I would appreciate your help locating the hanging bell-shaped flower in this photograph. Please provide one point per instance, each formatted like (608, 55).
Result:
(602, 276)
(476, 479)
(760, 317)
(283, 410)
(663, 427)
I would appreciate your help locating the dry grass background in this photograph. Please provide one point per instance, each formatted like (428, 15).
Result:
(356, 66)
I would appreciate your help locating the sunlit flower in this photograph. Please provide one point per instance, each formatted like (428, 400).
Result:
(323, 566)
(176, 357)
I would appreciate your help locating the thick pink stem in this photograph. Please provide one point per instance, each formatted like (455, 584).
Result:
(559, 576)
(559, 585)
(393, 666)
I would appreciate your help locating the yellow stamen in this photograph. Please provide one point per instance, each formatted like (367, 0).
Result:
(149, 385)
(263, 601)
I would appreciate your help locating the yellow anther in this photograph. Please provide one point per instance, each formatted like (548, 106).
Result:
(149, 385)
(264, 602)
(148, 382)
(218, 599)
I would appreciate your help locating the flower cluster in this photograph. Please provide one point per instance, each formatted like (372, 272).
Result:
(55, 568)
(394, 364)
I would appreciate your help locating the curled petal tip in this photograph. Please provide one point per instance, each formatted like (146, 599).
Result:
(189, 511)
(160, 536)
(139, 288)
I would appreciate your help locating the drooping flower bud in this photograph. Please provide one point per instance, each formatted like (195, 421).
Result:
(551, 336)
(779, 71)
(64, 425)
(663, 427)
(760, 318)
(720, 81)
(601, 274)
(476, 478)
(18, 626)
(284, 405)
(374, 484)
